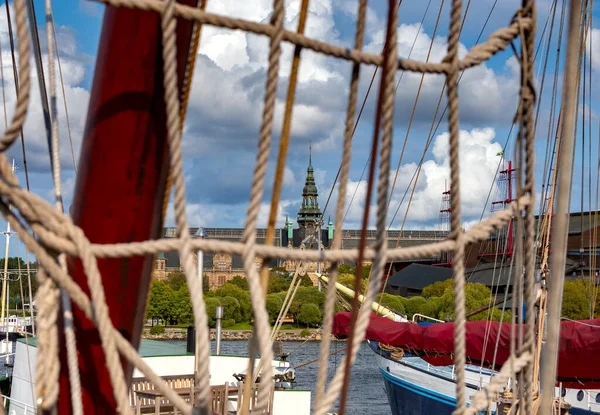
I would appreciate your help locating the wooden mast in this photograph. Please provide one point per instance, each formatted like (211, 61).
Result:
(121, 185)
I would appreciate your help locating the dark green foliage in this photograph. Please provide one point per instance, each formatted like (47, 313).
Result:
(413, 305)
(227, 323)
(231, 308)
(348, 281)
(211, 309)
(437, 289)
(157, 330)
(176, 280)
(440, 304)
(306, 295)
(310, 314)
(15, 279)
(305, 281)
(393, 302)
(274, 304)
(577, 297)
(277, 284)
(242, 296)
(160, 305)
(305, 333)
(346, 269)
(240, 282)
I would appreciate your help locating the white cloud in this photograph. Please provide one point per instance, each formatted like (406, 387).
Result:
(478, 164)
(285, 207)
(593, 46)
(73, 73)
(197, 214)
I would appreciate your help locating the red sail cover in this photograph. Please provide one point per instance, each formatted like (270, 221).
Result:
(578, 356)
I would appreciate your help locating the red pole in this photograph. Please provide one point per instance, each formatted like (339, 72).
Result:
(121, 185)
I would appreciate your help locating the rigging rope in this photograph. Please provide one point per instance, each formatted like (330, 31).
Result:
(55, 231)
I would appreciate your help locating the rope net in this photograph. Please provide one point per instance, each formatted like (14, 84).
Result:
(54, 231)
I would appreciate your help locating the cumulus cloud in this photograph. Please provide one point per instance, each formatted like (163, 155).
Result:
(593, 48)
(226, 105)
(479, 162)
(229, 82)
(73, 65)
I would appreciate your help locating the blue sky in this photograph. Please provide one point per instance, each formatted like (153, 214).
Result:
(224, 116)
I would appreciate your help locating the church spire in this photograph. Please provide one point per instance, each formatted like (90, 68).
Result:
(309, 213)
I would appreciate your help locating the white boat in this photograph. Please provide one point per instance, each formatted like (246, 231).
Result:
(169, 361)
(414, 386)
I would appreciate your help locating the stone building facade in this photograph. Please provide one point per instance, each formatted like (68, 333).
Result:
(311, 233)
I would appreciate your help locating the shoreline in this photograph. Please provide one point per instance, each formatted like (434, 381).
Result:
(286, 335)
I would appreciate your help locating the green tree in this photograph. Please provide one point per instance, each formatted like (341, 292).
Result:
(160, 303)
(306, 295)
(211, 309)
(348, 281)
(432, 307)
(14, 263)
(437, 289)
(176, 280)
(310, 314)
(576, 300)
(181, 306)
(305, 281)
(366, 270)
(346, 269)
(231, 308)
(231, 290)
(393, 302)
(274, 304)
(240, 282)
(476, 296)
(413, 305)
(277, 284)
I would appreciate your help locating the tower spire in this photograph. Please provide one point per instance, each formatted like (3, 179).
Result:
(310, 213)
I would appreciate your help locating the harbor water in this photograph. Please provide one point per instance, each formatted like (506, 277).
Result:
(366, 394)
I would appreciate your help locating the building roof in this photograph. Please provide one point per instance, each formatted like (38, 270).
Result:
(418, 276)
(491, 275)
(578, 222)
(148, 348)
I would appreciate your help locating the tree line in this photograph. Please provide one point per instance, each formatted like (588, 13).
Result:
(170, 302)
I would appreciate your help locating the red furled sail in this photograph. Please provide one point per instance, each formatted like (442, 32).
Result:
(578, 358)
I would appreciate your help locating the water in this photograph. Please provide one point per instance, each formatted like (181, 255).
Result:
(366, 393)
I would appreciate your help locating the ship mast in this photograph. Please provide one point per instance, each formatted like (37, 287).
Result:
(4, 312)
(121, 185)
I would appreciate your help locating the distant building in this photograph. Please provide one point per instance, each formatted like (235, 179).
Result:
(411, 280)
(222, 267)
(160, 267)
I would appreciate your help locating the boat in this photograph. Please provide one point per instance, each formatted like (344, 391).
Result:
(173, 362)
(415, 361)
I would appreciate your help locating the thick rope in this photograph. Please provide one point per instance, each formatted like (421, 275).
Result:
(18, 119)
(528, 127)
(56, 231)
(72, 363)
(497, 42)
(262, 329)
(455, 219)
(169, 52)
(337, 235)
